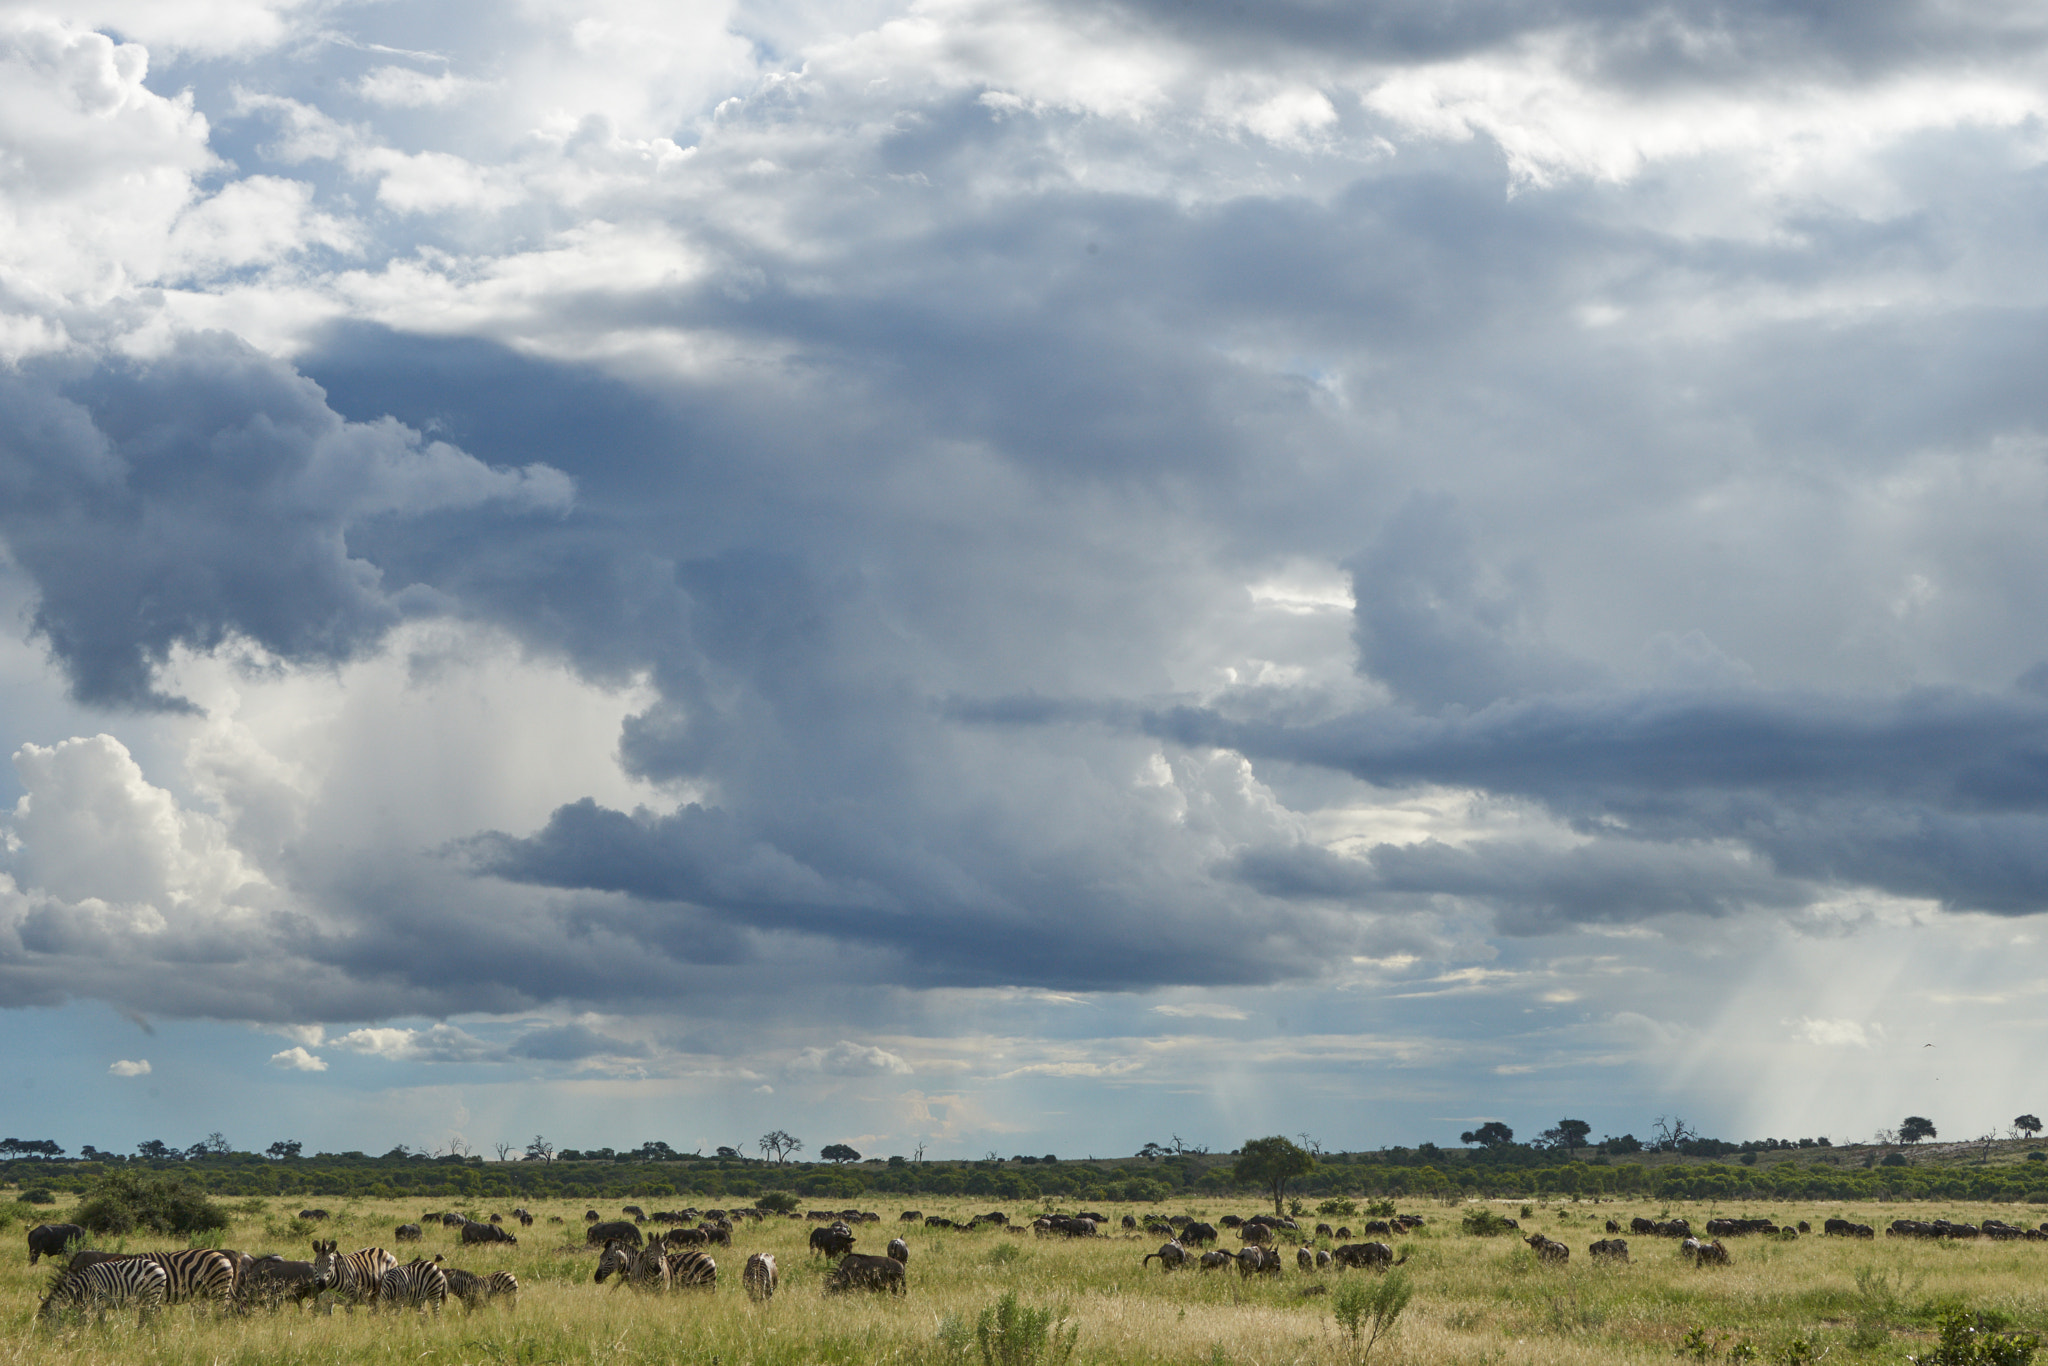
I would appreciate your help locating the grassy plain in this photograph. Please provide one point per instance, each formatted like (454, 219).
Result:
(1477, 1300)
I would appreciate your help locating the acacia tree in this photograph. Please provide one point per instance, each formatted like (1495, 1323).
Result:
(2031, 1124)
(1569, 1134)
(1913, 1128)
(1492, 1134)
(1272, 1163)
(779, 1145)
(838, 1153)
(540, 1150)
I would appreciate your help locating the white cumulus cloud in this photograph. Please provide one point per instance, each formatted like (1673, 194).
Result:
(849, 1059)
(298, 1060)
(138, 1067)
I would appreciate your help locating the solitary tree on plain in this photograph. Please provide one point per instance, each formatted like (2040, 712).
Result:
(1272, 1163)
(1913, 1128)
(2030, 1123)
(1491, 1134)
(838, 1152)
(779, 1145)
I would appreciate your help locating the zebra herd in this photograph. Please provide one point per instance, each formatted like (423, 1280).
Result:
(95, 1283)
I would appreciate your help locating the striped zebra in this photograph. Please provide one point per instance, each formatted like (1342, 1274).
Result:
(197, 1273)
(354, 1274)
(474, 1290)
(759, 1277)
(419, 1284)
(689, 1267)
(641, 1268)
(101, 1286)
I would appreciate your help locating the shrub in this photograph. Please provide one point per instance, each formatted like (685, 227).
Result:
(1966, 1341)
(1340, 1207)
(782, 1202)
(1367, 1310)
(1012, 1334)
(1482, 1222)
(41, 1195)
(123, 1202)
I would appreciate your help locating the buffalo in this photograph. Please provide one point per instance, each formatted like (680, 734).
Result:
(1704, 1254)
(407, 1233)
(1213, 1260)
(857, 1272)
(1548, 1250)
(898, 1250)
(1171, 1255)
(1373, 1255)
(620, 1229)
(1609, 1250)
(835, 1240)
(1255, 1260)
(487, 1233)
(1194, 1233)
(50, 1240)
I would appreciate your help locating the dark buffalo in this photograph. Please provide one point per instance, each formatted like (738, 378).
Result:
(269, 1280)
(50, 1240)
(1130, 1221)
(856, 1272)
(1373, 1255)
(910, 1216)
(1548, 1250)
(1171, 1255)
(1613, 1227)
(633, 1210)
(314, 1215)
(898, 1250)
(685, 1237)
(407, 1233)
(1254, 1260)
(620, 1229)
(487, 1233)
(835, 1240)
(1609, 1250)
(1704, 1254)
(1198, 1233)
(453, 1220)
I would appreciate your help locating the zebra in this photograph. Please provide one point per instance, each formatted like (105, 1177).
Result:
(197, 1273)
(354, 1274)
(759, 1277)
(474, 1290)
(690, 1267)
(641, 1268)
(101, 1286)
(419, 1283)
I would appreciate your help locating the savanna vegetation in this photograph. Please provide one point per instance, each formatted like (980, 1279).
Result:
(1468, 1291)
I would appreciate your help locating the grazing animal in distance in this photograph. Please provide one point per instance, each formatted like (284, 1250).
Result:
(51, 1240)
(900, 1250)
(910, 1216)
(1218, 1258)
(1253, 1259)
(1195, 1234)
(618, 1229)
(487, 1233)
(1322, 1259)
(1609, 1249)
(1375, 1256)
(1613, 1227)
(1704, 1254)
(857, 1272)
(1260, 1235)
(759, 1276)
(103, 1286)
(1548, 1250)
(313, 1216)
(1172, 1256)
(407, 1233)
(1304, 1259)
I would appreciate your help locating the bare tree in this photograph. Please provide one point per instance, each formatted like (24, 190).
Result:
(1310, 1144)
(504, 1152)
(780, 1145)
(458, 1146)
(917, 1153)
(540, 1150)
(1673, 1131)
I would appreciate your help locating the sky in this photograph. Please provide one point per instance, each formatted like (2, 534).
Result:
(1020, 576)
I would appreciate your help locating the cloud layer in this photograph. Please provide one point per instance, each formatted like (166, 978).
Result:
(564, 519)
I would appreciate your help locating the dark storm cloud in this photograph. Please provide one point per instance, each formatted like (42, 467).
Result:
(1636, 40)
(572, 1043)
(1941, 795)
(204, 495)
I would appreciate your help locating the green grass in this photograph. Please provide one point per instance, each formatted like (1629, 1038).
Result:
(1475, 1299)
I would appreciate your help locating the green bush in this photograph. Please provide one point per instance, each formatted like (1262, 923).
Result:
(41, 1195)
(1367, 1310)
(781, 1202)
(1342, 1209)
(1967, 1341)
(1482, 1222)
(123, 1203)
(1012, 1334)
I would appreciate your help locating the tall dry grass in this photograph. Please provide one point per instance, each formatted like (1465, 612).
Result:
(1476, 1300)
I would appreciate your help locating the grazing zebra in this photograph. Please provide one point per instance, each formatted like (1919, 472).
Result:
(641, 1268)
(690, 1267)
(474, 1290)
(102, 1286)
(418, 1284)
(354, 1274)
(759, 1277)
(502, 1285)
(195, 1274)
